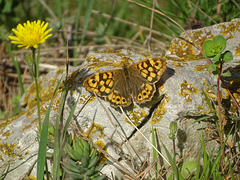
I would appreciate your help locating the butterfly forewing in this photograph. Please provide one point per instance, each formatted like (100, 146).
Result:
(149, 72)
(111, 85)
(151, 69)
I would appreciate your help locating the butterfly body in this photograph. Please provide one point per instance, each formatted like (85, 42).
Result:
(136, 81)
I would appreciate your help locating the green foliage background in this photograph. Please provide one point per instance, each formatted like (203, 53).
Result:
(61, 13)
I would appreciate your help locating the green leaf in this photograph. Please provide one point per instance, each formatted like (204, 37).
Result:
(211, 86)
(100, 177)
(85, 161)
(202, 119)
(214, 47)
(207, 48)
(93, 162)
(220, 43)
(216, 58)
(90, 172)
(99, 168)
(227, 56)
(188, 168)
(173, 127)
(226, 74)
(211, 67)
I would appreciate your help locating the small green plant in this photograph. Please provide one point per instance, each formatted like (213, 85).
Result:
(213, 49)
(180, 170)
(214, 165)
(83, 161)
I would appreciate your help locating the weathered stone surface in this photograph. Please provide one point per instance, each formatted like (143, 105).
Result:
(182, 84)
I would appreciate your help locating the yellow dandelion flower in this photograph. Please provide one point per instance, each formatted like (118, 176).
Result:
(30, 34)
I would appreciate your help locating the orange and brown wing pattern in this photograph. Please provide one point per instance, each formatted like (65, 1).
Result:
(150, 72)
(111, 85)
(151, 69)
(100, 83)
(137, 80)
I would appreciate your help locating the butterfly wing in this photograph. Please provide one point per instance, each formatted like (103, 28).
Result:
(143, 77)
(110, 85)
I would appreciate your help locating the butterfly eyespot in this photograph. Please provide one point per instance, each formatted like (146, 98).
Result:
(118, 99)
(94, 81)
(124, 100)
(144, 94)
(156, 64)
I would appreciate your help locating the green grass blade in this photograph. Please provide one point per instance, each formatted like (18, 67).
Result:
(216, 163)
(87, 18)
(197, 173)
(69, 119)
(202, 118)
(172, 162)
(231, 171)
(206, 161)
(208, 102)
(76, 35)
(154, 151)
(43, 140)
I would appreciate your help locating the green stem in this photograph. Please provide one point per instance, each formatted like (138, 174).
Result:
(16, 64)
(221, 119)
(35, 74)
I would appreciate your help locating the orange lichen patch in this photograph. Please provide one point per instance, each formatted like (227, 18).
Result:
(109, 51)
(177, 64)
(237, 96)
(83, 99)
(237, 50)
(199, 109)
(7, 149)
(30, 112)
(96, 63)
(184, 49)
(7, 134)
(150, 55)
(187, 90)
(233, 110)
(230, 29)
(27, 127)
(103, 157)
(158, 113)
(44, 94)
(136, 117)
(4, 123)
(200, 68)
(95, 130)
(234, 87)
(205, 83)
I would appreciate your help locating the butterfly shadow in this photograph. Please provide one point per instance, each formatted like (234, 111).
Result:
(156, 100)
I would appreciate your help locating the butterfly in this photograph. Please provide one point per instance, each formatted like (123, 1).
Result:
(120, 86)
